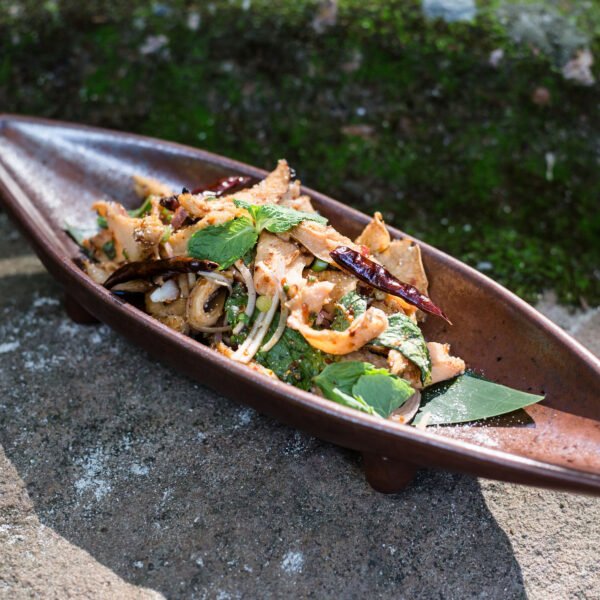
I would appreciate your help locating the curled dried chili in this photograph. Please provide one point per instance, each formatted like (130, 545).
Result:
(223, 185)
(166, 266)
(379, 277)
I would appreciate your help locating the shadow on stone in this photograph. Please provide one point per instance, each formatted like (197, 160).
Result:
(178, 489)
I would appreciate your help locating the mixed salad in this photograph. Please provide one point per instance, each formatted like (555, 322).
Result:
(257, 274)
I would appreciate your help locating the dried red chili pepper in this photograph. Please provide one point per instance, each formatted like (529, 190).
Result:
(218, 188)
(153, 268)
(379, 277)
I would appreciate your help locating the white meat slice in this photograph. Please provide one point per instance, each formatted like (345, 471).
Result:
(310, 300)
(147, 186)
(277, 263)
(269, 190)
(444, 366)
(135, 238)
(320, 239)
(402, 259)
(375, 235)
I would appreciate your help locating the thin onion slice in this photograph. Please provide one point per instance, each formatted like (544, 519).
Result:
(240, 353)
(238, 328)
(213, 329)
(217, 278)
(285, 313)
(406, 413)
(244, 271)
(250, 347)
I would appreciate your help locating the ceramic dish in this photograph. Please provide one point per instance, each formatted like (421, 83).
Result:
(51, 172)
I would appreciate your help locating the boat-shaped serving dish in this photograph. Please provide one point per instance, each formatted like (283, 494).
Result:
(51, 172)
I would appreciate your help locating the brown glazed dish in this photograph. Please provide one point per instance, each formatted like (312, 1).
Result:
(52, 171)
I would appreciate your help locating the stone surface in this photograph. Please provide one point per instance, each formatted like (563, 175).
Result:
(121, 479)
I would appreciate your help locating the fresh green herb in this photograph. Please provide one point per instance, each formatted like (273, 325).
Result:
(167, 234)
(286, 288)
(146, 207)
(263, 303)
(230, 241)
(109, 249)
(102, 222)
(350, 305)
(235, 305)
(319, 265)
(276, 218)
(361, 386)
(125, 254)
(249, 257)
(224, 243)
(292, 358)
(469, 397)
(404, 335)
(383, 391)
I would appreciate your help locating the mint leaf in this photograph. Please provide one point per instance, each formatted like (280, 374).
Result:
(469, 397)
(224, 243)
(361, 386)
(404, 335)
(292, 358)
(351, 305)
(251, 208)
(276, 218)
(382, 391)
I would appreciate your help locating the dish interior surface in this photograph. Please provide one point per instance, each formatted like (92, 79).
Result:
(52, 173)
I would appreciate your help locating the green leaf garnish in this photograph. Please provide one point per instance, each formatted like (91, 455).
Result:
(470, 398)
(292, 358)
(224, 243)
(404, 335)
(146, 207)
(227, 243)
(351, 305)
(276, 218)
(383, 391)
(361, 386)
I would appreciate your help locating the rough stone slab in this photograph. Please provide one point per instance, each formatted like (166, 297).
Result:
(122, 479)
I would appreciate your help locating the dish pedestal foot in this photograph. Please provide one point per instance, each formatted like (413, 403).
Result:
(77, 313)
(388, 475)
